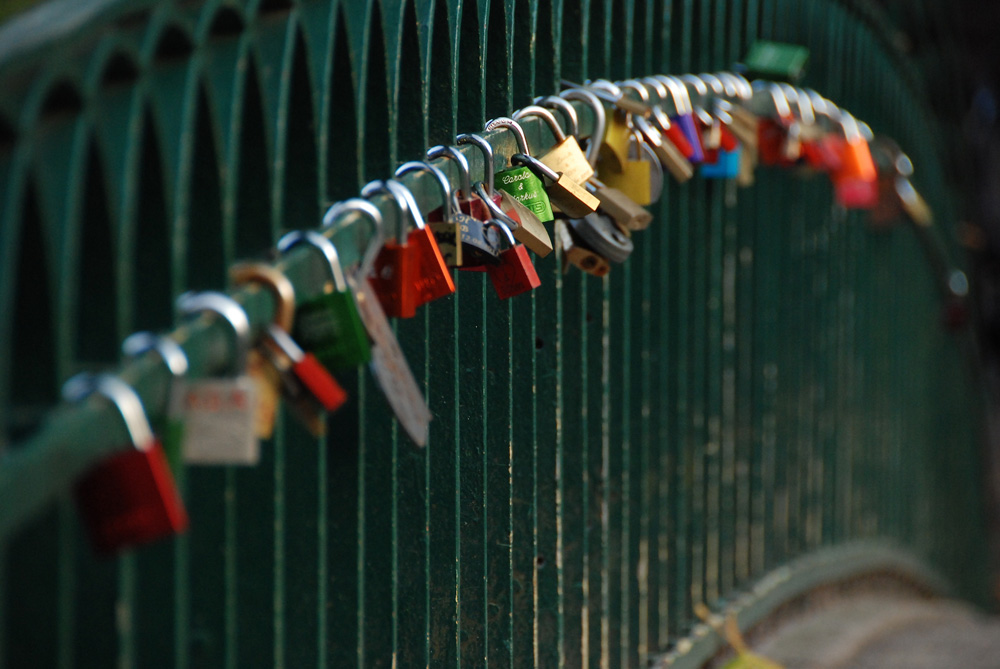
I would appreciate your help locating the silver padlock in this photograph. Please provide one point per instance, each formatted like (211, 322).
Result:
(219, 412)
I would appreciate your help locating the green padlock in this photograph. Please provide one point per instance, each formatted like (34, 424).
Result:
(520, 182)
(167, 425)
(329, 325)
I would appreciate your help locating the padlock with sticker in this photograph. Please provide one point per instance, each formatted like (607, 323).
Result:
(223, 414)
(388, 365)
(521, 183)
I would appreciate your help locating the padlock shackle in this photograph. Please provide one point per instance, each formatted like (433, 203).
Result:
(170, 352)
(715, 86)
(743, 88)
(690, 81)
(280, 339)
(660, 116)
(600, 119)
(405, 204)
(514, 127)
(497, 223)
(567, 109)
(489, 166)
(374, 216)
(544, 114)
(321, 243)
(730, 86)
(122, 396)
(800, 104)
(274, 280)
(535, 165)
(771, 94)
(222, 305)
(494, 209)
(637, 86)
(451, 153)
(678, 93)
(449, 201)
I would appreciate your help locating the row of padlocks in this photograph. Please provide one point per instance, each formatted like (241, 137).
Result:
(588, 200)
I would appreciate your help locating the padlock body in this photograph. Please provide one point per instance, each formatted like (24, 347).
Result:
(529, 230)
(130, 499)
(393, 281)
(220, 421)
(567, 157)
(617, 136)
(432, 279)
(476, 208)
(772, 136)
(856, 182)
(676, 136)
(635, 181)
(515, 274)
(319, 383)
(331, 328)
(687, 125)
(479, 245)
(527, 188)
(727, 166)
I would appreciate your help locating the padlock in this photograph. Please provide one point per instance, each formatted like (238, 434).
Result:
(451, 248)
(614, 147)
(522, 183)
(129, 498)
(469, 219)
(328, 324)
(668, 155)
(619, 206)
(431, 272)
(610, 92)
(566, 156)
(534, 234)
(599, 121)
(856, 182)
(301, 371)
(671, 131)
(260, 366)
(636, 181)
(683, 116)
(527, 230)
(410, 272)
(388, 365)
(777, 131)
(572, 198)
(220, 413)
(573, 253)
(394, 272)
(448, 235)
(169, 425)
(600, 234)
(514, 274)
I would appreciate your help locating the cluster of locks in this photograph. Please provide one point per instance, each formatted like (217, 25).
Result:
(593, 198)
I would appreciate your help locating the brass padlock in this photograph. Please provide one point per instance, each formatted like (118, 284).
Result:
(566, 156)
(571, 197)
(636, 178)
(624, 210)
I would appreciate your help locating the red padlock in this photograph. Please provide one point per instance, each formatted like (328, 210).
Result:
(308, 371)
(397, 267)
(515, 274)
(129, 498)
(431, 276)
(856, 182)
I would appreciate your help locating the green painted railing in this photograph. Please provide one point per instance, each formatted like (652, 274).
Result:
(765, 376)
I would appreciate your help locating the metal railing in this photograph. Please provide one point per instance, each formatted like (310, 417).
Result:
(765, 376)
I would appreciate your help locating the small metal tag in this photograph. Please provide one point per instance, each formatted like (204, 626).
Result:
(219, 417)
(389, 366)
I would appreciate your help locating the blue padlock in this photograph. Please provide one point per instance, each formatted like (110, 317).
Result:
(727, 167)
